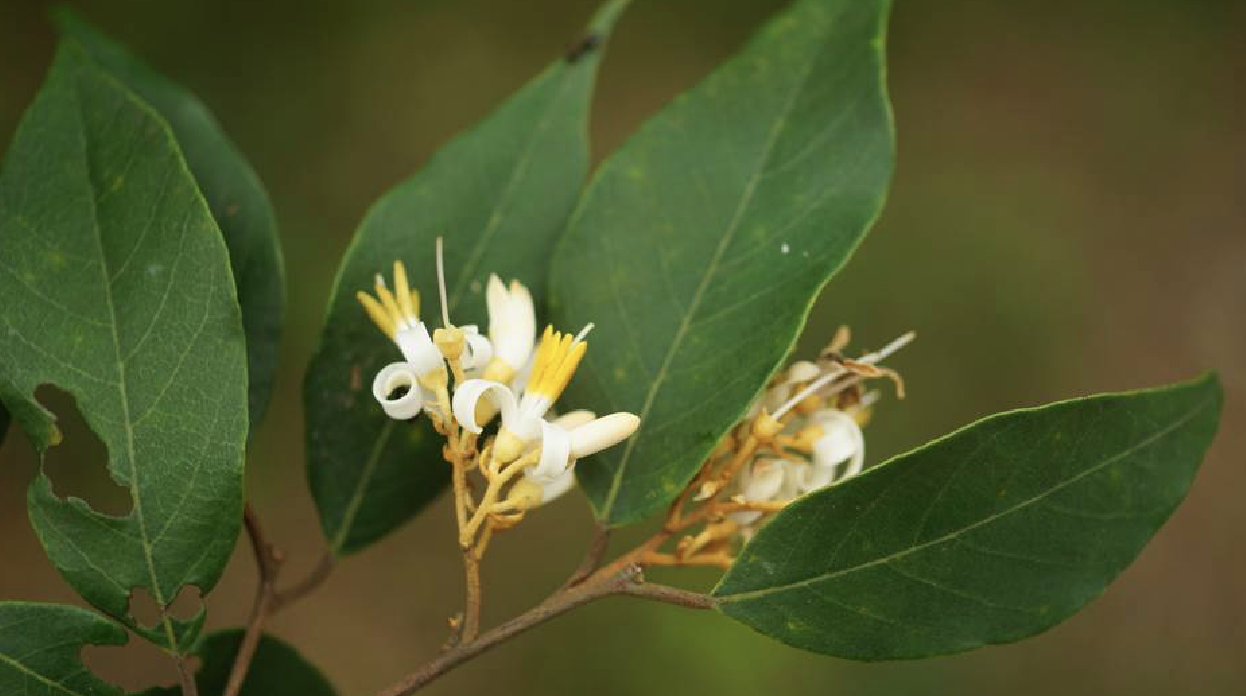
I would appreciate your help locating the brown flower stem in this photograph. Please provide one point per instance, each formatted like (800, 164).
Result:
(268, 561)
(625, 581)
(471, 608)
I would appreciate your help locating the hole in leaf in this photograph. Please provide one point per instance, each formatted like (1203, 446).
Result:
(147, 613)
(78, 465)
(143, 608)
(187, 604)
(134, 666)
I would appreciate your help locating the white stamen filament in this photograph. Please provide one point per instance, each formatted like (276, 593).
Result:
(888, 350)
(441, 285)
(825, 379)
(583, 332)
(809, 389)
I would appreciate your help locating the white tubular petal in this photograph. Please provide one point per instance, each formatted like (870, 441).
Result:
(469, 392)
(555, 454)
(479, 350)
(604, 432)
(559, 486)
(571, 421)
(512, 321)
(842, 441)
(395, 376)
(419, 350)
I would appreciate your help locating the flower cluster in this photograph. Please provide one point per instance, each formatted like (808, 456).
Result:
(530, 460)
(804, 433)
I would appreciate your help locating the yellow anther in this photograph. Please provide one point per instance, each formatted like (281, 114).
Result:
(557, 358)
(379, 316)
(387, 300)
(408, 300)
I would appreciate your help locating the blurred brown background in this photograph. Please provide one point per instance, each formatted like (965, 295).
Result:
(1068, 217)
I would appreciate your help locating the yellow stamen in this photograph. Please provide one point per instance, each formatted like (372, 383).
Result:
(543, 351)
(403, 289)
(557, 358)
(387, 300)
(379, 316)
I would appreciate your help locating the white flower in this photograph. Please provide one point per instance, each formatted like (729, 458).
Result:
(766, 481)
(564, 440)
(512, 328)
(522, 418)
(396, 313)
(399, 392)
(836, 441)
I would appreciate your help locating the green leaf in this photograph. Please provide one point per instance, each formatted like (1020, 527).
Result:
(237, 199)
(700, 246)
(40, 648)
(499, 194)
(991, 534)
(116, 289)
(276, 670)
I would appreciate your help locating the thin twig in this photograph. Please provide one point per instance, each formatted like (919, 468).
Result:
(626, 581)
(592, 558)
(304, 587)
(268, 562)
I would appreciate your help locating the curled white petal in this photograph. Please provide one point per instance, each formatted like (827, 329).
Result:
(418, 349)
(512, 321)
(467, 394)
(391, 378)
(601, 433)
(574, 419)
(555, 454)
(479, 350)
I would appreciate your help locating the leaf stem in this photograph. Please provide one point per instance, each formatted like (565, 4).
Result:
(268, 562)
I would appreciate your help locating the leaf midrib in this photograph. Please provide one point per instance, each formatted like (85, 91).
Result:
(60, 686)
(956, 533)
(711, 269)
(122, 383)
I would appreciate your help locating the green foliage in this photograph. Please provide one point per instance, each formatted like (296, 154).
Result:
(141, 273)
(276, 670)
(988, 535)
(700, 246)
(40, 646)
(499, 194)
(116, 288)
(232, 190)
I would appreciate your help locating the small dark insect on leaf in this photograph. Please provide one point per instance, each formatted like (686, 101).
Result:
(583, 47)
